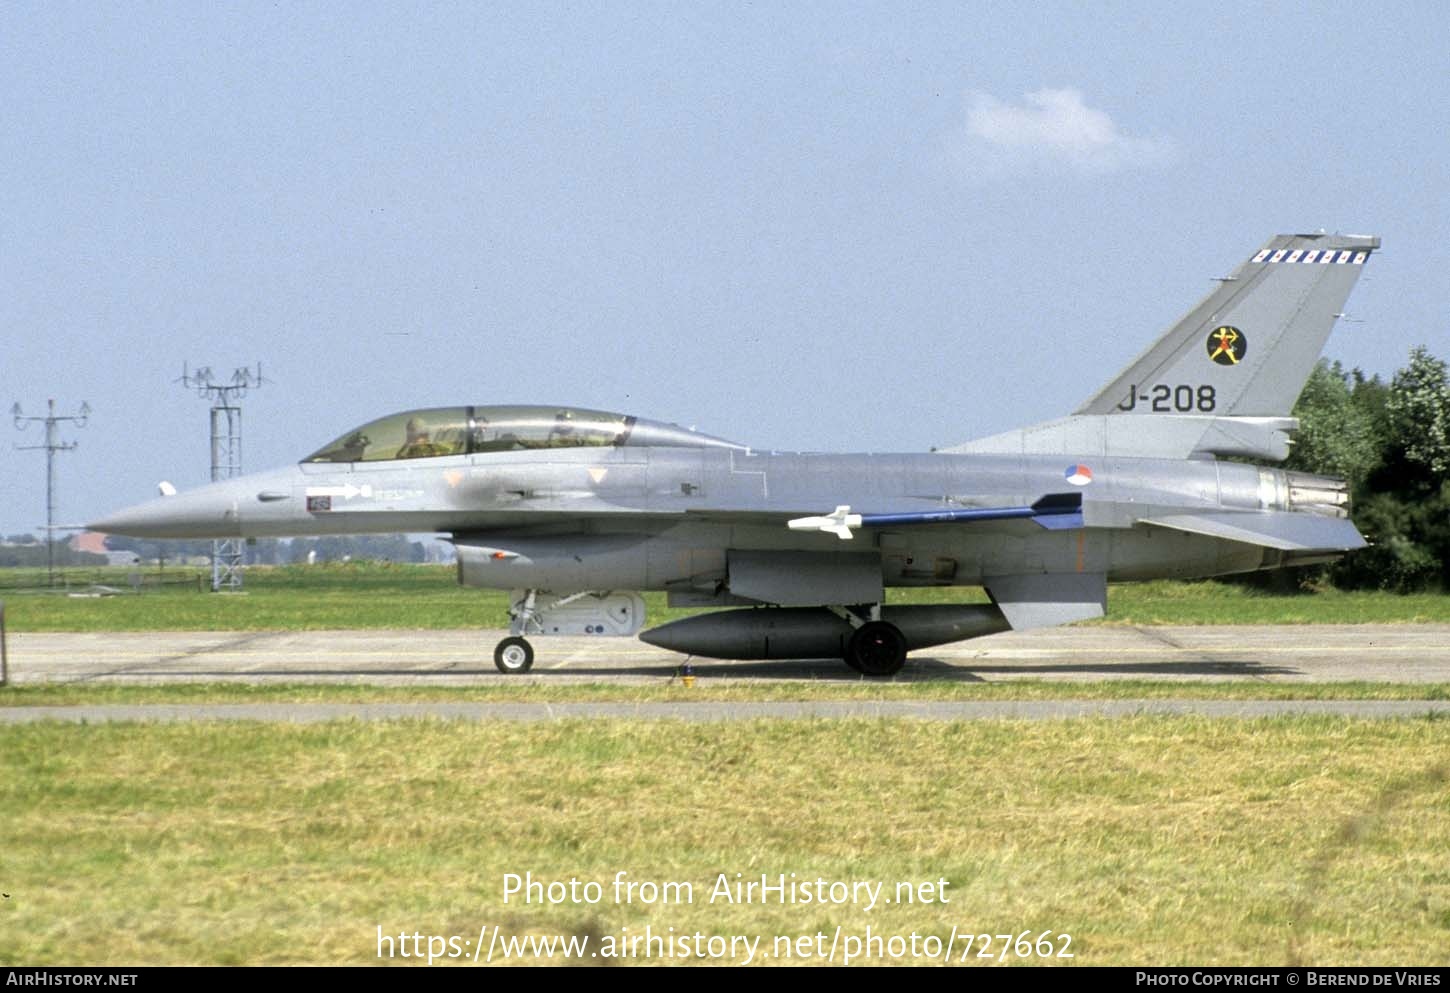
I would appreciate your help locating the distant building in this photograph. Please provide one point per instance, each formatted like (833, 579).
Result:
(94, 543)
(89, 541)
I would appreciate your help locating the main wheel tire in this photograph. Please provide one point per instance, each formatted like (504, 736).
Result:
(513, 656)
(877, 649)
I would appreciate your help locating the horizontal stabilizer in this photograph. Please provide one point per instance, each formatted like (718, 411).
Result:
(1284, 530)
(1056, 511)
(1043, 600)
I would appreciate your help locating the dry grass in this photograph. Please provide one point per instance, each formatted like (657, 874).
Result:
(1148, 840)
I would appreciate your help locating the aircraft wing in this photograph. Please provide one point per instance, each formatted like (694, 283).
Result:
(1055, 511)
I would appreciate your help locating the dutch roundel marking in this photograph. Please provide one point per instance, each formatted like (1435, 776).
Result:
(1078, 475)
(1227, 345)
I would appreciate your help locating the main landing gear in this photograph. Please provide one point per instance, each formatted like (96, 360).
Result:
(876, 648)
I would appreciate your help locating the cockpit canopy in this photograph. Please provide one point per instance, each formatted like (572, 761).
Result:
(439, 431)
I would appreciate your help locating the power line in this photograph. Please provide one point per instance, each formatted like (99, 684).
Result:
(226, 455)
(53, 444)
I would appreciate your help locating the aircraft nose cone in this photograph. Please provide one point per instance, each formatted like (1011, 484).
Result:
(138, 521)
(199, 514)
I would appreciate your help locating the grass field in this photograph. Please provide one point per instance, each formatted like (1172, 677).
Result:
(379, 595)
(1148, 840)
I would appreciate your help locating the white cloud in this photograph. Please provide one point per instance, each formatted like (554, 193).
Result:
(1055, 126)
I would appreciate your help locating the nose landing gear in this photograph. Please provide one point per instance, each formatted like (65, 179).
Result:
(513, 655)
(541, 612)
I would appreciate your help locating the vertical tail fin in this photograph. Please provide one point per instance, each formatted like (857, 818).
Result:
(1248, 348)
(1224, 379)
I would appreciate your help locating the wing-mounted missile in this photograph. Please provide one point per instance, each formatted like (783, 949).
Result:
(838, 522)
(1056, 512)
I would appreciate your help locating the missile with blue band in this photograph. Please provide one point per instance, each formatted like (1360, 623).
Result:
(1056, 511)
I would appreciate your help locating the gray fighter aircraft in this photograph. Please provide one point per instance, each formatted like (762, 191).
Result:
(574, 510)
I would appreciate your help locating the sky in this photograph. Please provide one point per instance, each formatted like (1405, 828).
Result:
(807, 226)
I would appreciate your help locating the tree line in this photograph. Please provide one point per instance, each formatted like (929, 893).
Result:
(1391, 441)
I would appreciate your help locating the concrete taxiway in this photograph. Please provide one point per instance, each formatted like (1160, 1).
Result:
(1401, 653)
(707, 711)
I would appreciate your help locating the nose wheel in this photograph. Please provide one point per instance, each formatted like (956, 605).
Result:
(513, 656)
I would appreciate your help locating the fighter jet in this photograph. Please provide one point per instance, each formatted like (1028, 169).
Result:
(575, 510)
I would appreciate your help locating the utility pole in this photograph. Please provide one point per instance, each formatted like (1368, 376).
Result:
(226, 456)
(53, 444)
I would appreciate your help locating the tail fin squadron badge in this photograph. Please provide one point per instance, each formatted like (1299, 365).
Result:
(1226, 345)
